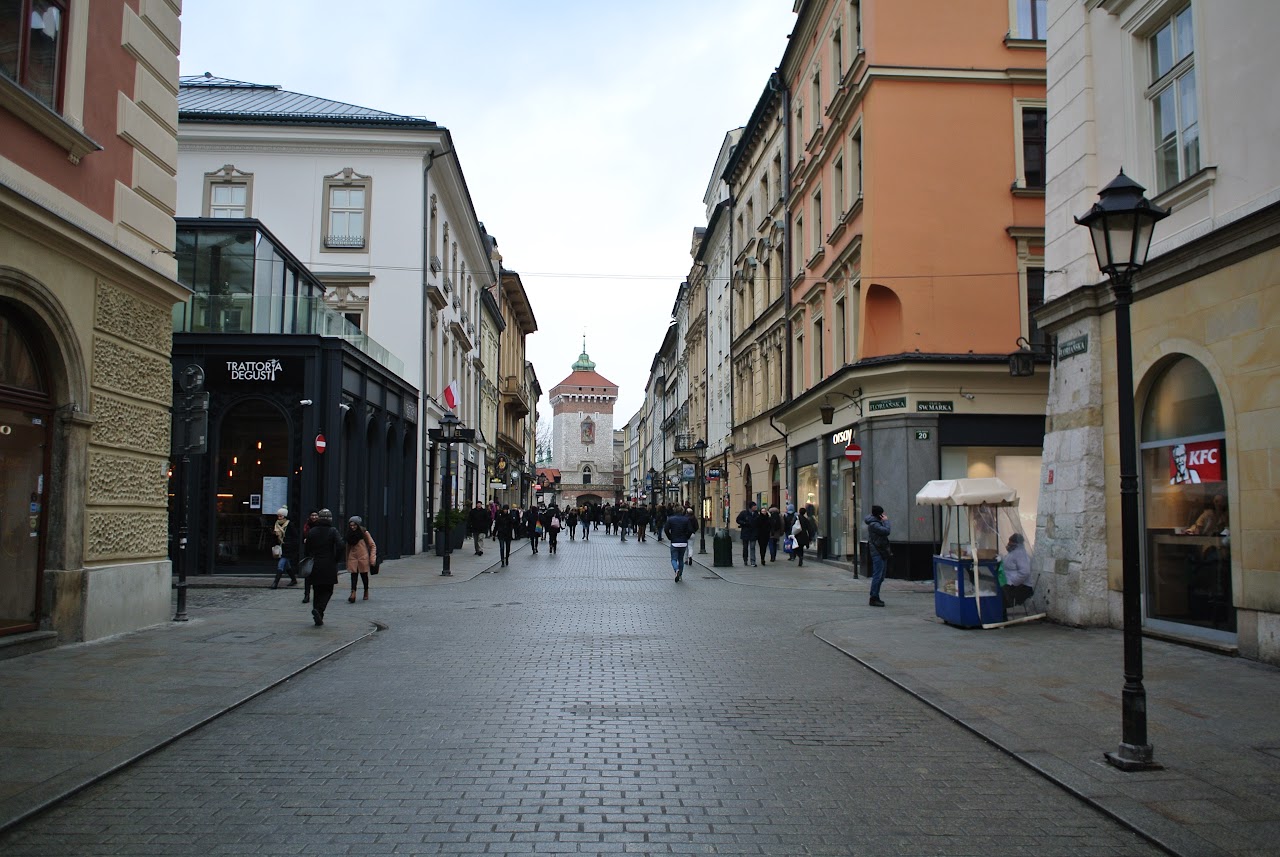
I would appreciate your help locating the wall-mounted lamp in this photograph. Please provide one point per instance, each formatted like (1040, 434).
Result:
(828, 411)
(1022, 363)
(304, 402)
(968, 396)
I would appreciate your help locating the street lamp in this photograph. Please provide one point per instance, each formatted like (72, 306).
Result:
(1121, 223)
(447, 435)
(700, 450)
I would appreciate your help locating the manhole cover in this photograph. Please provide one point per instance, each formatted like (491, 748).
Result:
(239, 637)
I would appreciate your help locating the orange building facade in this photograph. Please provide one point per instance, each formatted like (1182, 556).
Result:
(915, 213)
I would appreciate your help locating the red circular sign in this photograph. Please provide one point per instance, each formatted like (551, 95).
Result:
(320, 444)
(853, 452)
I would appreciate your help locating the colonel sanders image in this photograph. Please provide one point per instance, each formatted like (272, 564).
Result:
(1181, 474)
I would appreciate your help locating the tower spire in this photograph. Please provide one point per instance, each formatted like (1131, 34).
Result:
(584, 362)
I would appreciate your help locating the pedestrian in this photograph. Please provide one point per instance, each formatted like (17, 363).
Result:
(881, 551)
(280, 532)
(324, 548)
(312, 517)
(660, 515)
(571, 522)
(504, 530)
(680, 528)
(763, 528)
(697, 526)
(588, 518)
(478, 523)
(608, 519)
(789, 522)
(362, 555)
(748, 519)
(804, 530)
(533, 526)
(775, 533)
(551, 525)
(640, 518)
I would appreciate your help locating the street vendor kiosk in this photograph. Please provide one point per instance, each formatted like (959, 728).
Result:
(979, 516)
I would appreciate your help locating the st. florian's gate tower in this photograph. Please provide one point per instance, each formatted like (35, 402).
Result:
(582, 434)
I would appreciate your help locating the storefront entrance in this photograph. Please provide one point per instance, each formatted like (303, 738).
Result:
(253, 480)
(25, 416)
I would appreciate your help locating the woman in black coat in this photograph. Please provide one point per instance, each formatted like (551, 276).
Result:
(504, 530)
(531, 520)
(324, 548)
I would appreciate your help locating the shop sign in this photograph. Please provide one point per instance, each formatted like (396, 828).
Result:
(1072, 347)
(842, 438)
(936, 407)
(713, 473)
(1196, 462)
(887, 404)
(254, 370)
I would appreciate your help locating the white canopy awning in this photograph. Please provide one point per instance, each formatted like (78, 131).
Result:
(966, 492)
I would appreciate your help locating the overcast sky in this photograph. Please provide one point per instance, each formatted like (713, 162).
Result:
(586, 129)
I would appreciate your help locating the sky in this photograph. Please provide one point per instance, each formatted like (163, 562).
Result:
(587, 131)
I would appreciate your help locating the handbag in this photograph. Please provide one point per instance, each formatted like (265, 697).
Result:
(304, 567)
(789, 544)
(373, 567)
(276, 551)
(537, 529)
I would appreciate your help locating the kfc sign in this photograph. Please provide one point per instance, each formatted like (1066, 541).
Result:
(1193, 463)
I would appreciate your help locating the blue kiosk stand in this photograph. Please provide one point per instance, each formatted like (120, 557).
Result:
(979, 515)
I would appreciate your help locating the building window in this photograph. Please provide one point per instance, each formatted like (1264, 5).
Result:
(817, 99)
(346, 210)
(777, 178)
(818, 235)
(1030, 130)
(586, 474)
(799, 248)
(839, 358)
(857, 163)
(1035, 300)
(1031, 19)
(837, 55)
(228, 192)
(819, 370)
(797, 369)
(33, 46)
(1174, 113)
(837, 179)
(855, 18)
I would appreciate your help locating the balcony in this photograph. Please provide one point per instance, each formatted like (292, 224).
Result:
(515, 397)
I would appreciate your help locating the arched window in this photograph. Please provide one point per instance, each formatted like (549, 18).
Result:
(586, 474)
(1188, 520)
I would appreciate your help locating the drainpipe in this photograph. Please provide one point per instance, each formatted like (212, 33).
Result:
(776, 83)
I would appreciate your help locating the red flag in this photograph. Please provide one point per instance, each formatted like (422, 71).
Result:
(451, 395)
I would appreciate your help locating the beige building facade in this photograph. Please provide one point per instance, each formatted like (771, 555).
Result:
(1181, 95)
(88, 152)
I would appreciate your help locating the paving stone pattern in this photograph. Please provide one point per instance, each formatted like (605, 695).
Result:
(581, 703)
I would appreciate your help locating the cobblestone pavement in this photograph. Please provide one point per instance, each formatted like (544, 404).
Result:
(580, 703)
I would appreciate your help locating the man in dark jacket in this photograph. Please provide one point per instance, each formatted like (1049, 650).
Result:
(324, 547)
(878, 543)
(679, 527)
(478, 523)
(748, 521)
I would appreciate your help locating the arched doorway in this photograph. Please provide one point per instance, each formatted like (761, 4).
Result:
(26, 412)
(253, 479)
(775, 482)
(1186, 509)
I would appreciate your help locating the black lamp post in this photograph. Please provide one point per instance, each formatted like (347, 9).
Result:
(1121, 223)
(700, 449)
(447, 435)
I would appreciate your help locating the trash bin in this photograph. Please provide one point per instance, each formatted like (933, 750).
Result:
(722, 548)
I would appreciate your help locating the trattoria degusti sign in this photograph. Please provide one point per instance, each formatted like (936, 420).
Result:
(253, 370)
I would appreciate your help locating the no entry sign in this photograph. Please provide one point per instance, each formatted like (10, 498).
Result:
(853, 452)
(320, 444)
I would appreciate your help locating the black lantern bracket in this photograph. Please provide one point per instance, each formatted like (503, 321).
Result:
(1022, 363)
(828, 411)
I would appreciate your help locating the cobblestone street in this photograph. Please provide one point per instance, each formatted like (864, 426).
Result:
(578, 703)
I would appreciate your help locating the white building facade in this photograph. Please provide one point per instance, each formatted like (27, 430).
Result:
(1181, 95)
(376, 205)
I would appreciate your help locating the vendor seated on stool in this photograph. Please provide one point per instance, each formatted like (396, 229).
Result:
(1017, 572)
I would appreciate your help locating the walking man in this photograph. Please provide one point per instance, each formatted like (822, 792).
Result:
(878, 542)
(479, 523)
(748, 521)
(679, 528)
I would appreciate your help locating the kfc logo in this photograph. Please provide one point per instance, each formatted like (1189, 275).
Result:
(1193, 463)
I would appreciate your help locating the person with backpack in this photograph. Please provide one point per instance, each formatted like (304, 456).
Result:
(551, 524)
(881, 552)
